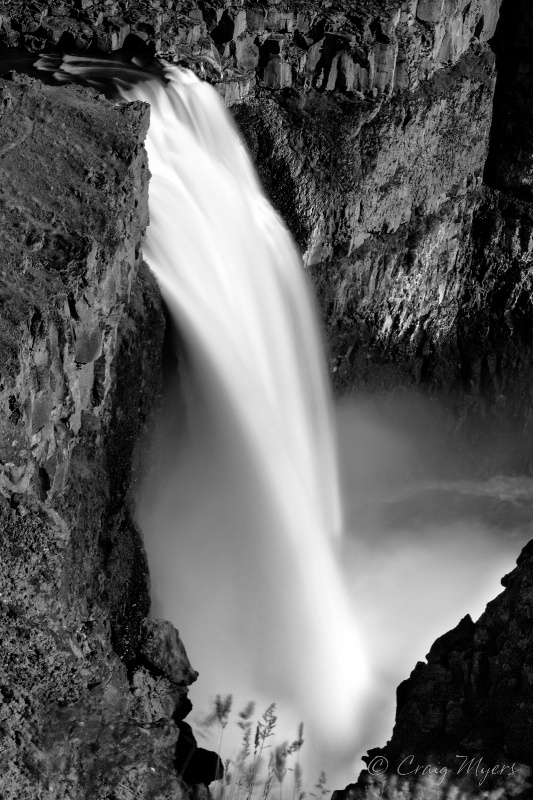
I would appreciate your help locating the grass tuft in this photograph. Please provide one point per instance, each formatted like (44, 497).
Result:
(245, 777)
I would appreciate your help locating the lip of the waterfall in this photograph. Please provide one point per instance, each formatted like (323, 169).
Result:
(98, 70)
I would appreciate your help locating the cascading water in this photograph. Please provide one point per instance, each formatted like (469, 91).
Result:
(259, 405)
(241, 511)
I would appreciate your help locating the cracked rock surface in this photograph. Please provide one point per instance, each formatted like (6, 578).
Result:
(89, 709)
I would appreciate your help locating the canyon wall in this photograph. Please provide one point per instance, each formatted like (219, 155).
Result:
(92, 692)
(395, 140)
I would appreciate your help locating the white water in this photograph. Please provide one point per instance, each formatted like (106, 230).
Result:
(240, 509)
(249, 509)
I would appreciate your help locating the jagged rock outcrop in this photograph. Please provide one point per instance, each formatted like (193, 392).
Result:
(91, 692)
(471, 703)
(378, 46)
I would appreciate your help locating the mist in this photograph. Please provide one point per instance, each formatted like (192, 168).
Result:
(426, 540)
(424, 544)
(247, 603)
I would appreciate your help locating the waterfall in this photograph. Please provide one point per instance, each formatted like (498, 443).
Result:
(240, 509)
(258, 406)
(232, 278)
(240, 503)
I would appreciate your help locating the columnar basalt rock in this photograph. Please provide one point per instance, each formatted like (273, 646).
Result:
(380, 46)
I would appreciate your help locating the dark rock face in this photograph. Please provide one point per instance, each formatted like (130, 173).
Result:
(195, 764)
(356, 47)
(86, 705)
(474, 696)
(509, 162)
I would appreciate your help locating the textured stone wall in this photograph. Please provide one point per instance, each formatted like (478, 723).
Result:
(90, 702)
(379, 46)
(356, 47)
(381, 198)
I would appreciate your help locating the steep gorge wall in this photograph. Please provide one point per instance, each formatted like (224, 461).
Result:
(473, 697)
(92, 693)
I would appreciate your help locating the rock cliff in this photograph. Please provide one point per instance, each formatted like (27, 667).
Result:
(394, 137)
(473, 697)
(92, 691)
